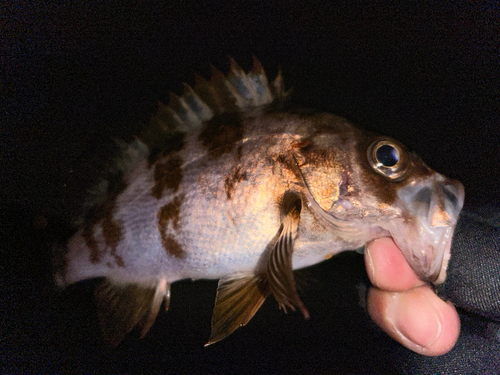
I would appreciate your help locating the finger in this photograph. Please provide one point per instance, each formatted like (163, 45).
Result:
(417, 318)
(387, 268)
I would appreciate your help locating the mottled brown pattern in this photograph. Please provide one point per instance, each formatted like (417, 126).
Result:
(171, 144)
(88, 236)
(221, 134)
(118, 259)
(173, 247)
(90, 241)
(167, 175)
(319, 157)
(112, 232)
(235, 177)
(170, 213)
(282, 159)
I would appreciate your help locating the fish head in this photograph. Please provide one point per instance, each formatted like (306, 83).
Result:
(382, 189)
(429, 205)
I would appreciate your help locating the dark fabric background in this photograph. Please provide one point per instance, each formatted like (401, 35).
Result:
(74, 76)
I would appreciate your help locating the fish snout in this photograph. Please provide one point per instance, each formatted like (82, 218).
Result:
(434, 205)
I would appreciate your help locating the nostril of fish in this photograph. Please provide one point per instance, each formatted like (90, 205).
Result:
(450, 195)
(453, 198)
(422, 202)
(424, 196)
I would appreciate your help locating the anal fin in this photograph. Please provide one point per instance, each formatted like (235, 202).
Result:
(238, 299)
(122, 307)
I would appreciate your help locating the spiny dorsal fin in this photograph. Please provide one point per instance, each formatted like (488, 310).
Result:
(235, 92)
(122, 307)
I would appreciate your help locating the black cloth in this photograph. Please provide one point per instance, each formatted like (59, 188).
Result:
(473, 280)
(473, 285)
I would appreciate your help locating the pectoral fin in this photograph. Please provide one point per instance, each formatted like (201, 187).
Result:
(279, 270)
(122, 307)
(240, 296)
(238, 299)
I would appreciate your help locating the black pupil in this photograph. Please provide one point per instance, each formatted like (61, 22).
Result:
(387, 156)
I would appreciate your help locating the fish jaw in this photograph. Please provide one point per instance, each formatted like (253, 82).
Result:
(424, 233)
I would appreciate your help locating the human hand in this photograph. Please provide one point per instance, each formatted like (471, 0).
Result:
(404, 306)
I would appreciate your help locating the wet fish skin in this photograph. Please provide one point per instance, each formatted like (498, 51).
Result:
(224, 184)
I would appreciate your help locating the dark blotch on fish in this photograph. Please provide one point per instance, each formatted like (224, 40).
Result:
(111, 229)
(95, 254)
(231, 181)
(112, 232)
(167, 175)
(173, 247)
(170, 213)
(172, 143)
(221, 134)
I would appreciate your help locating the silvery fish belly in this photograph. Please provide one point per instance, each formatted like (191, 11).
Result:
(225, 183)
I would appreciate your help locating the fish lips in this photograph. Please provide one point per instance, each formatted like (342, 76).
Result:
(424, 233)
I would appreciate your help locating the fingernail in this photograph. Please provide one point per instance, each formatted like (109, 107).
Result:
(369, 262)
(417, 319)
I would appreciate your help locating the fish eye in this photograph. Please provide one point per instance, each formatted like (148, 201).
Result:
(388, 158)
(387, 155)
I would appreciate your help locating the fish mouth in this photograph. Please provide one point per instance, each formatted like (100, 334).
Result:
(425, 232)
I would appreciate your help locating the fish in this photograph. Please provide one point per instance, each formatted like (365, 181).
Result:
(229, 182)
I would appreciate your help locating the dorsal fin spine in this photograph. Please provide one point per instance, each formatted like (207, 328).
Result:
(198, 106)
(207, 94)
(258, 80)
(278, 87)
(243, 88)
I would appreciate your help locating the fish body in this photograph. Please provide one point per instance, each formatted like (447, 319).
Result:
(224, 184)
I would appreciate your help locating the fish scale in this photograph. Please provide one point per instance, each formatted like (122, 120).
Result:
(227, 182)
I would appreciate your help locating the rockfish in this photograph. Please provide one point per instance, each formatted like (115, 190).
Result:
(225, 183)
